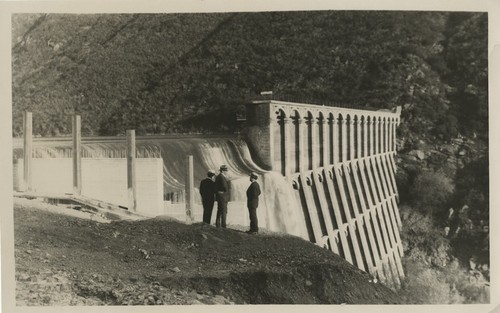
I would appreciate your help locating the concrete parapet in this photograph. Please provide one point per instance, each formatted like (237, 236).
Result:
(285, 136)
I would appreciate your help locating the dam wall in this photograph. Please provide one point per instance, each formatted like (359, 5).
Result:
(327, 175)
(340, 163)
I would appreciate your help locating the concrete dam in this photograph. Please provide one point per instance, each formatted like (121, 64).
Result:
(340, 163)
(327, 175)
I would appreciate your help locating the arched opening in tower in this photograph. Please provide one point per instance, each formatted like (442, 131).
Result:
(321, 140)
(310, 139)
(331, 140)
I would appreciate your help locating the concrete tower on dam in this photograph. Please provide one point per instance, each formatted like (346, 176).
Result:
(341, 165)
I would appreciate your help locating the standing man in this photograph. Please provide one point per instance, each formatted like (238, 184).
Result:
(222, 195)
(253, 193)
(207, 192)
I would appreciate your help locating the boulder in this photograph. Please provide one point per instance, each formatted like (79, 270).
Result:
(419, 154)
(400, 144)
(448, 149)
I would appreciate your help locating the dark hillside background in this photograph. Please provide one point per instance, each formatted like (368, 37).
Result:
(193, 73)
(166, 73)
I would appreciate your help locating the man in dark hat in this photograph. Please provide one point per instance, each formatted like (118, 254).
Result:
(207, 192)
(253, 193)
(222, 196)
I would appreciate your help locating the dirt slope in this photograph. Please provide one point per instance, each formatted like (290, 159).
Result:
(64, 259)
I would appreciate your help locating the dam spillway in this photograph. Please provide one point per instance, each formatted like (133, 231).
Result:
(277, 210)
(327, 175)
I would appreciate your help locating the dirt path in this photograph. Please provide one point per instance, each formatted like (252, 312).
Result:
(68, 258)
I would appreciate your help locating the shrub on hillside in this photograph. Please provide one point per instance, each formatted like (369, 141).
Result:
(430, 192)
(446, 127)
(405, 175)
(471, 285)
(433, 274)
(426, 285)
(422, 240)
(472, 188)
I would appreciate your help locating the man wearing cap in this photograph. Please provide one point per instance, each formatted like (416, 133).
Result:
(207, 192)
(253, 193)
(222, 196)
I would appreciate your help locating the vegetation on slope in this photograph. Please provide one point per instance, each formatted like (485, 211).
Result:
(97, 65)
(167, 72)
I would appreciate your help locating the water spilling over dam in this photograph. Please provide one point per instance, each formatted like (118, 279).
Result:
(327, 175)
(277, 211)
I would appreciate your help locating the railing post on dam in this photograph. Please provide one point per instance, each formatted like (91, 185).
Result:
(131, 174)
(189, 189)
(341, 162)
(77, 154)
(28, 149)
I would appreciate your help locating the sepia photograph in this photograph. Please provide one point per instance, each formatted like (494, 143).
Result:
(247, 157)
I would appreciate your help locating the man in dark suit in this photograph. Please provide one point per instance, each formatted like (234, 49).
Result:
(253, 193)
(222, 196)
(207, 192)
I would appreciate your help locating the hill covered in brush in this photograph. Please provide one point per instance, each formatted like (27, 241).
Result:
(164, 73)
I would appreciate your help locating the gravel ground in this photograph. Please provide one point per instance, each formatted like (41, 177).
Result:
(69, 257)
